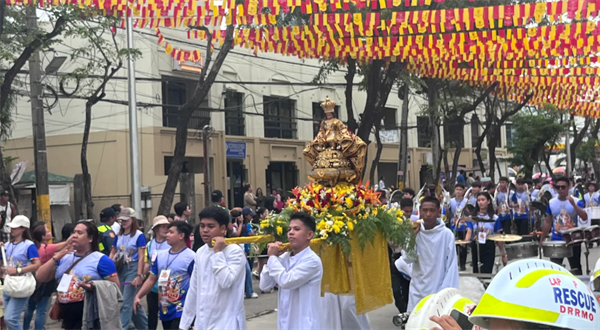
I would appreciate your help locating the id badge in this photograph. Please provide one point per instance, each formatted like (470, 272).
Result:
(65, 281)
(164, 277)
(154, 254)
(482, 237)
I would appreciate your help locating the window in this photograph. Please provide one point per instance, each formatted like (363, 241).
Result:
(176, 92)
(319, 115)
(279, 117)
(474, 130)
(389, 119)
(234, 116)
(510, 134)
(423, 132)
(453, 128)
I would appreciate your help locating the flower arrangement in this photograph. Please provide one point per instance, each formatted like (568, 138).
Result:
(339, 211)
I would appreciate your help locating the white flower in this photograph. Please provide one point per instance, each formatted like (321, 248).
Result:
(329, 223)
(323, 232)
(323, 194)
(368, 210)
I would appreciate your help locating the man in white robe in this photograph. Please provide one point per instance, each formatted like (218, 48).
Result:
(298, 275)
(435, 267)
(341, 313)
(216, 293)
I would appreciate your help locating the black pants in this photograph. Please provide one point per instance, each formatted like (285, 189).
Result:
(506, 226)
(72, 315)
(574, 261)
(397, 288)
(488, 255)
(171, 324)
(462, 250)
(152, 300)
(522, 226)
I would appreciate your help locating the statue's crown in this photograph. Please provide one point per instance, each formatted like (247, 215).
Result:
(328, 105)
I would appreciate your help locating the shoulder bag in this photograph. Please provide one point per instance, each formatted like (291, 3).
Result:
(19, 286)
(55, 310)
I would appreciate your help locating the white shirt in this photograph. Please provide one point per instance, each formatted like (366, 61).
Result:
(435, 267)
(300, 306)
(116, 227)
(216, 293)
(381, 184)
(8, 211)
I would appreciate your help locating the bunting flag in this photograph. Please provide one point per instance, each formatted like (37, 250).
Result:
(180, 55)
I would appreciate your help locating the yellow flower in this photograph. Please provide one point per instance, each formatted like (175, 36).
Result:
(374, 212)
(400, 219)
(279, 230)
(350, 225)
(336, 229)
(264, 223)
(321, 225)
(349, 202)
(339, 208)
(399, 213)
(338, 223)
(325, 235)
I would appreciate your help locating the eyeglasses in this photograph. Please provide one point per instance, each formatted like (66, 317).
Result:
(560, 187)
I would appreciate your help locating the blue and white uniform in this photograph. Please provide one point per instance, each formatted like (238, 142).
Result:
(171, 296)
(21, 254)
(96, 266)
(455, 208)
(592, 200)
(563, 216)
(127, 246)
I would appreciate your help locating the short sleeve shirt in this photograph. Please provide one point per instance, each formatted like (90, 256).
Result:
(593, 200)
(502, 202)
(96, 266)
(455, 208)
(490, 228)
(520, 210)
(563, 216)
(171, 297)
(152, 252)
(21, 254)
(128, 246)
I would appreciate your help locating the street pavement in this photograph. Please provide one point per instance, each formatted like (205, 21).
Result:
(261, 312)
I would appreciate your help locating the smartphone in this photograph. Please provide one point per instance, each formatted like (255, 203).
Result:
(462, 319)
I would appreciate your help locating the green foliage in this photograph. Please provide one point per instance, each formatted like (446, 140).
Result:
(533, 131)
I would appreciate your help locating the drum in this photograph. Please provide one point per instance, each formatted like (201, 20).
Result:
(521, 250)
(573, 236)
(557, 249)
(593, 212)
(592, 234)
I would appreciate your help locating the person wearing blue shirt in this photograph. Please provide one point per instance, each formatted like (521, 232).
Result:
(246, 229)
(126, 252)
(22, 257)
(457, 204)
(160, 228)
(478, 233)
(171, 271)
(475, 190)
(502, 199)
(460, 178)
(592, 197)
(520, 208)
(562, 214)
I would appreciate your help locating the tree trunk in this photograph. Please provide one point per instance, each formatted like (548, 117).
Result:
(458, 150)
(449, 179)
(403, 157)
(351, 122)
(432, 99)
(87, 179)
(185, 112)
(377, 153)
(577, 138)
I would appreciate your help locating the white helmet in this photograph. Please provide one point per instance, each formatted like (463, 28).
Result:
(541, 292)
(441, 303)
(595, 278)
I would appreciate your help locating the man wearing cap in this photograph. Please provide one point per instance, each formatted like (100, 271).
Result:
(217, 199)
(107, 235)
(7, 212)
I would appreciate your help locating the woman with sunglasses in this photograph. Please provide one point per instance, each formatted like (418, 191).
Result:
(127, 248)
(486, 247)
(91, 265)
(563, 213)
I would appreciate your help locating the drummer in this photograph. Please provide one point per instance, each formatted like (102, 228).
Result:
(457, 204)
(475, 190)
(520, 208)
(537, 185)
(502, 198)
(592, 197)
(562, 214)
(482, 230)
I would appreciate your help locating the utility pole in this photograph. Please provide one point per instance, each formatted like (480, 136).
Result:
(568, 168)
(136, 185)
(38, 126)
(403, 146)
(207, 131)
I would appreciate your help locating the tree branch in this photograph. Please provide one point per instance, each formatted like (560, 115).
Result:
(33, 46)
(351, 122)
(209, 49)
(480, 99)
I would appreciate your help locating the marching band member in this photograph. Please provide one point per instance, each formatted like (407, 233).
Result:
(457, 204)
(475, 190)
(502, 197)
(435, 267)
(562, 214)
(519, 200)
(487, 248)
(592, 197)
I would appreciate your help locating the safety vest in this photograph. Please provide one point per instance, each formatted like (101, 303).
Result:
(102, 229)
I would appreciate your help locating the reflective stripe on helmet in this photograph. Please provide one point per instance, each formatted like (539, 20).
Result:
(489, 306)
(531, 278)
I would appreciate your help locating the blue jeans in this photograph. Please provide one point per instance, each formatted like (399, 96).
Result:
(13, 307)
(248, 289)
(40, 316)
(140, 320)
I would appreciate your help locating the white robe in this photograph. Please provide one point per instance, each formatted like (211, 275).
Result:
(216, 293)
(435, 267)
(341, 313)
(300, 306)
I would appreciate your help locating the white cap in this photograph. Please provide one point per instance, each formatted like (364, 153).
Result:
(19, 221)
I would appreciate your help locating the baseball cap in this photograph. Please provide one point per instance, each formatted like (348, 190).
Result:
(248, 211)
(159, 220)
(4, 193)
(216, 195)
(107, 213)
(19, 221)
(127, 213)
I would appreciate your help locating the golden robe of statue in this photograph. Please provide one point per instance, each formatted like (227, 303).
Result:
(336, 154)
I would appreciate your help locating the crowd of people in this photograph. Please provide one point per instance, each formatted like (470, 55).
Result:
(101, 272)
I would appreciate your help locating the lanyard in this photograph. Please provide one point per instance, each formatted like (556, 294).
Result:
(13, 246)
(176, 255)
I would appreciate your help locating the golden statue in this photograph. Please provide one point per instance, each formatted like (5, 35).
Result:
(336, 154)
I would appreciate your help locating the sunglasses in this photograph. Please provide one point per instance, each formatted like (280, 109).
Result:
(560, 187)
